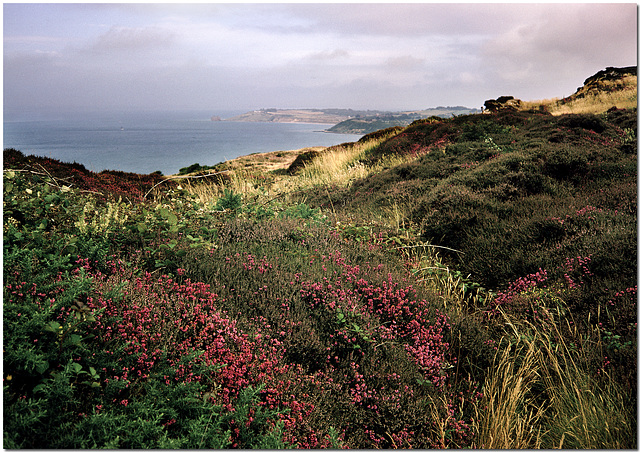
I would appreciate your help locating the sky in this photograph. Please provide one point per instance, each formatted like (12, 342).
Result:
(232, 56)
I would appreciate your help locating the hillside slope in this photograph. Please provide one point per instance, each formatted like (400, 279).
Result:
(514, 197)
(611, 87)
(475, 176)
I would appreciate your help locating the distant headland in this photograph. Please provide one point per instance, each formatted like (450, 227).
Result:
(348, 120)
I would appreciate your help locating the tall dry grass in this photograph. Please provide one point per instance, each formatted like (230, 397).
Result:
(239, 181)
(511, 413)
(586, 411)
(460, 296)
(539, 394)
(340, 166)
(343, 165)
(622, 94)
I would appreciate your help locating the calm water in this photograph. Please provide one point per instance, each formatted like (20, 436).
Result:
(147, 142)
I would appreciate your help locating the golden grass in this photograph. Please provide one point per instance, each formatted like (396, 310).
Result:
(585, 412)
(538, 395)
(208, 193)
(510, 416)
(261, 176)
(266, 161)
(621, 93)
(343, 165)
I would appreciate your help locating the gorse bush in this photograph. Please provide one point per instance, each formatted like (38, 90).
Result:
(468, 282)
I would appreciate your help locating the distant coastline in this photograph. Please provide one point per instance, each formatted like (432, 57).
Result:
(308, 116)
(348, 120)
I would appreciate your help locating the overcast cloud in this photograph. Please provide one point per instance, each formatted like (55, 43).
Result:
(297, 55)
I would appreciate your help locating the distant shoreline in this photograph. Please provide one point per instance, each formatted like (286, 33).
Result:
(298, 116)
(348, 121)
(285, 122)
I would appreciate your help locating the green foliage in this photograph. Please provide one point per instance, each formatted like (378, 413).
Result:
(164, 417)
(566, 162)
(301, 211)
(229, 201)
(583, 121)
(480, 130)
(196, 167)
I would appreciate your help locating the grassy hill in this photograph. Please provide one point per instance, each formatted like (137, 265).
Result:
(463, 282)
(610, 87)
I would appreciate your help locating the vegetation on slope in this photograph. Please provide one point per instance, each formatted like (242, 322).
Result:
(468, 282)
(609, 87)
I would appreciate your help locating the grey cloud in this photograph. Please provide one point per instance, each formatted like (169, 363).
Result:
(408, 19)
(546, 52)
(20, 40)
(315, 55)
(404, 63)
(127, 39)
(591, 30)
(329, 55)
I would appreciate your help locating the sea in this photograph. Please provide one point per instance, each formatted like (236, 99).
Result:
(144, 142)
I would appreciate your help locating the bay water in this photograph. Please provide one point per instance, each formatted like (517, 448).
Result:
(144, 142)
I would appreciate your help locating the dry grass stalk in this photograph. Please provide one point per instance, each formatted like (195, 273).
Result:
(339, 166)
(538, 395)
(438, 278)
(586, 412)
(510, 417)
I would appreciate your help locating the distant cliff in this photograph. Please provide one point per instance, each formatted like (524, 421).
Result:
(275, 115)
(348, 120)
(312, 115)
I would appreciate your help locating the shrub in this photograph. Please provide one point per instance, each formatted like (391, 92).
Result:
(566, 162)
(301, 211)
(196, 167)
(583, 121)
(368, 340)
(302, 160)
(229, 201)
(106, 183)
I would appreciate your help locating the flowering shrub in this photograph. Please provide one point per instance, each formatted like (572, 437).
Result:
(363, 337)
(174, 332)
(527, 297)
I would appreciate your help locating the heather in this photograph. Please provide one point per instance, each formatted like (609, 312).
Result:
(468, 282)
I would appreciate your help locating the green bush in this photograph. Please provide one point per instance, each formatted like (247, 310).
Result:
(479, 130)
(583, 121)
(301, 211)
(566, 162)
(229, 201)
(196, 167)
